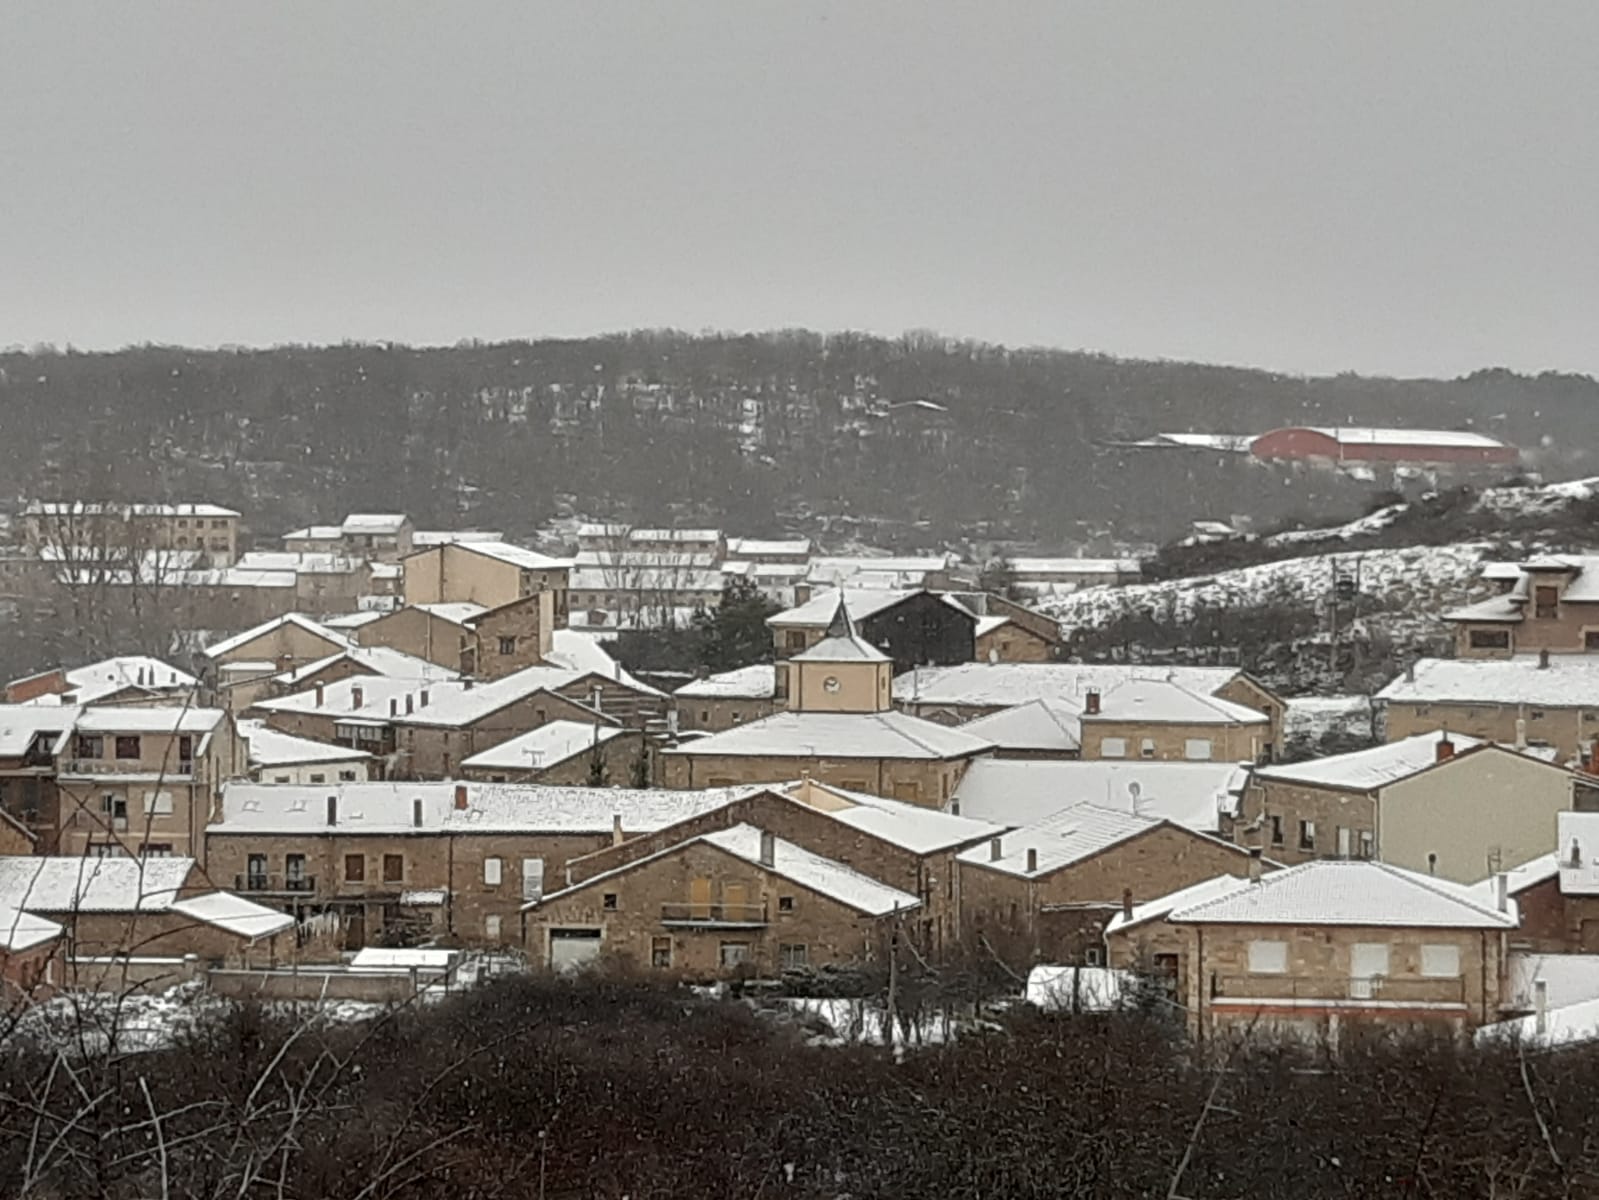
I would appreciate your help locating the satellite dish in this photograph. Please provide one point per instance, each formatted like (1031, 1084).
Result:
(1135, 791)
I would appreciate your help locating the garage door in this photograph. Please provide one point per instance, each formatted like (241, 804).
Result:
(573, 948)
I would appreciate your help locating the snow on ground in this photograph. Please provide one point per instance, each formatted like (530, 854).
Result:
(854, 1021)
(1412, 581)
(1535, 500)
(1361, 527)
(1311, 718)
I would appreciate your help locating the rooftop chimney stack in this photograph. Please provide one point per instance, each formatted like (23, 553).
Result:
(410, 704)
(357, 696)
(394, 706)
(1091, 703)
(1254, 864)
(319, 695)
(1521, 733)
(618, 835)
(1032, 861)
(1540, 1005)
(416, 812)
(1445, 749)
(460, 797)
(333, 810)
(1502, 892)
(768, 849)
(1127, 904)
(996, 850)
(423, 701)
(1543, 659)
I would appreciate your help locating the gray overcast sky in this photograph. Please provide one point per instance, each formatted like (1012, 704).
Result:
(1405, 188)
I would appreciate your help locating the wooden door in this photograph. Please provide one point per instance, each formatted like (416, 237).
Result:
(699, 899)
(735, 902)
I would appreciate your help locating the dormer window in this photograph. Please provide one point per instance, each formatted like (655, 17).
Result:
(1546, 601)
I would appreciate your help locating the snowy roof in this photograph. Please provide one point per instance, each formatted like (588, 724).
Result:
(338, 698)
(374, 660)
(1518, 879)
(1577, 848)
(87, 684)
(1013, 792)
(1568, 1025)
(582, 652)
(1156, 701)
(1059, 840)
(623, 561)
(465, 702)
(987, 625)
(674, 535)
(238, 916)
(228, 645)
(910, 826)
(1367, 770)
(54, 884)
(1494, 608)
(1080, 989)
(1002, 685)
(388, 808)
(647, 579)
(458, 612)
(838, 735)
(1069, 568)
(1354, 435)
(758, 682)
(373, 523)
(351, 620)
(1567, 979)
(301, 562)
(819, 610)
(127, 718)
(454, 537)
(81, 508)
(315, 533)
(21, 931)
(842, 643)
(821, 875)
(272, 748)
(1569, 681)
(379, 958)
(764, 548)
(1036, 725)
(517, 556)
(20, 724)
(551, 743)
(1349, 892)
(1197, 893)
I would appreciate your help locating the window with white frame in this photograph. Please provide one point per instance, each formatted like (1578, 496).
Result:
(1440, 961)
(1146, 748)
(491, 927)
(1197, 749)
(1113, 747)
(159, 803)
(491, 872)
(1268, 957)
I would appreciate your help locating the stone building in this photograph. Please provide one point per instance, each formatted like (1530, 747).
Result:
(1530, 699)
(723, 701)
(1551, 605)
(489, 574)
(1314, 948)
(593, 753)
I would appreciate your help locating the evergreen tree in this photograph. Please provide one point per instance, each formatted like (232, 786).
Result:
(735, 634)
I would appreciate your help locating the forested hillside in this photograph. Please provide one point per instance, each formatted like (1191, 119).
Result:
(783, 430)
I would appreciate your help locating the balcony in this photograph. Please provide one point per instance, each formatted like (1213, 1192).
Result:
(714, 916)
(266, 882)
(1382, 991)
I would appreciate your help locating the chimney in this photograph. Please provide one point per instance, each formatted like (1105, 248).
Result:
(423, 702)
(1521, 733)
(996, 850)
(394, 706)
(768, 849)
(617, 833)
(802, 594)
(1540, 1005)
(1445, 750)
(1574, 859)
(319, 695)
(1543, 659)
(1254, 864)
(333, 810)
(1032, 861)
(410, 704)
(466, 684)
(357, 697)
(1091, 703)
(1410, 671)
(1127, 904)
(1502, 892)
(416, 812)
(460, 797)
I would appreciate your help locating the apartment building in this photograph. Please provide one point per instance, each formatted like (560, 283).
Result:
(725, 700)
(1160, 720)
(489, 574)
(1538, 700)
(1440, 803)
(1550, 605)
(1315, 948)
(107, 530)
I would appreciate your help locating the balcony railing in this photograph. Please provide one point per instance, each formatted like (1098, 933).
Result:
(269, 882)
(1382, 989)
(713, 914)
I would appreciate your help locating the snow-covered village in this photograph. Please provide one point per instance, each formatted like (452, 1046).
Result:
(844, 601)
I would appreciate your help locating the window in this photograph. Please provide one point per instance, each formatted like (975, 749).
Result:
(794, 640)
(318, 778)
(1545, 600)
(1276, 831)
(354, 868)
(394, 868)
(507, 645)
(1590, 639)
(186, 749)
(734, 953)
(346, 776)
(785, 904)
(1440, 961)
(107, 850)
(219, 524)
(1307, 835)
(1197, 749)
(182, 524)
(1113, 747)
(661, 952)
(1146, 748)
(491, 872)
(127, 745)
(491, 927)
(793, 954)
(294, 870)
(158, 803)
(1094, 956)
(1368, 847)
(1268, 958)
(90, 745)
(532, 878)
(705, 716)
(255, 872)
(281, 779)
(115, 807)
(1499, 639)
(608, 901)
